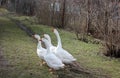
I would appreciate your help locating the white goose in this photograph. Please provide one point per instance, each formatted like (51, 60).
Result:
(52, 61)
(64, 55)
(41, 52)
(52, 48)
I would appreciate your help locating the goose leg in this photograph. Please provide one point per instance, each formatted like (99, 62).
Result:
(42, 63)
(51, 71)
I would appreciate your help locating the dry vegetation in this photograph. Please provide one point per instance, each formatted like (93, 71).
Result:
(86, 17)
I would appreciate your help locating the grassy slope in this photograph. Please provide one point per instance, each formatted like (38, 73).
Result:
(87, 54)
(20, 50)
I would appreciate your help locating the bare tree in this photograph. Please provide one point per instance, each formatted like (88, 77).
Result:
(3, 2)
(106, 23)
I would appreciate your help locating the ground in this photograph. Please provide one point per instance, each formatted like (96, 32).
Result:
(18, 58)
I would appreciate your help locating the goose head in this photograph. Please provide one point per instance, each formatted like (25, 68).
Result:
(46, 36)
(46, 42)
(54, 31)
(36, 36)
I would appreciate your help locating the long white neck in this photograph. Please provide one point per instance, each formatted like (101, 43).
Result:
(39, 44)
(47, 46)
(49, 39)
(59, 40)
(38, 38)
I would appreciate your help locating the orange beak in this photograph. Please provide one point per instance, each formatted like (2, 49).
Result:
(41, 39)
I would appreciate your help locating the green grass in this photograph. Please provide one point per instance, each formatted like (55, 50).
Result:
(20, 51)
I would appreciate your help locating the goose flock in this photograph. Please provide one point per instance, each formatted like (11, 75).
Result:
(54, 56)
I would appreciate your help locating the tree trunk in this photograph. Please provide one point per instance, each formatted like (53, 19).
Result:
(63, 14)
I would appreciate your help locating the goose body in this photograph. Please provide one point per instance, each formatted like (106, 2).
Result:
(64, 55)
(50, 58)
(41, 52)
